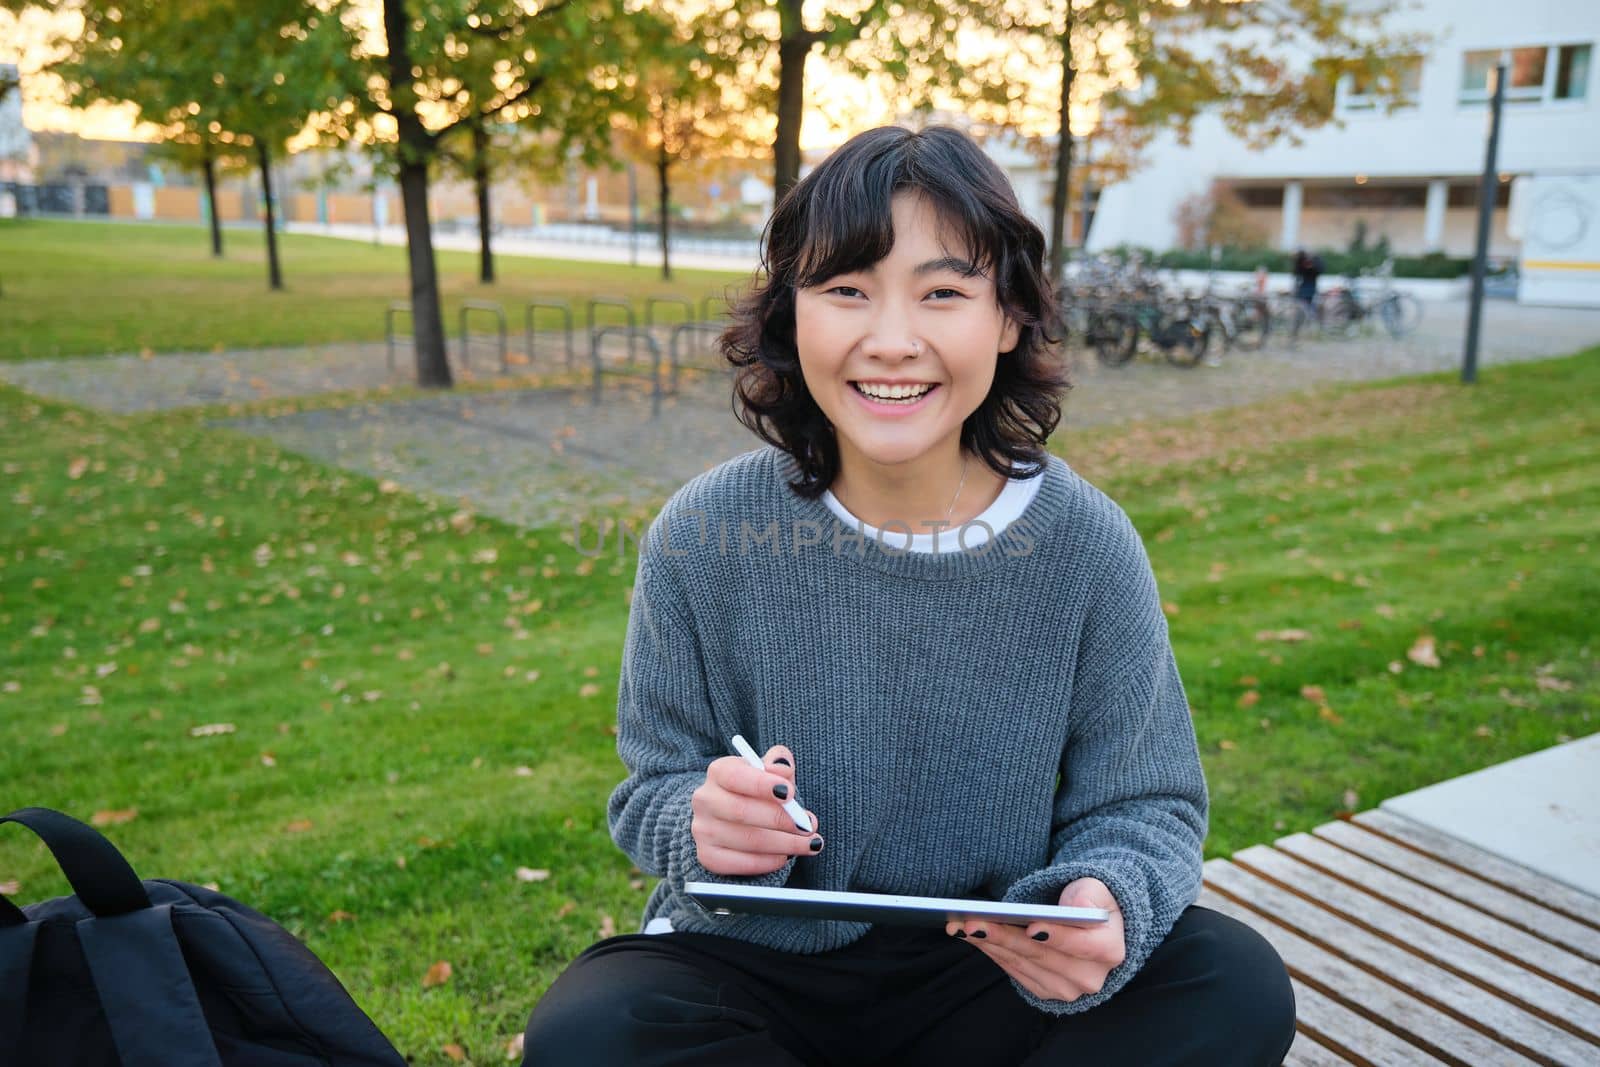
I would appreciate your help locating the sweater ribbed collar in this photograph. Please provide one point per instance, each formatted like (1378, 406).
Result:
(1043, 517)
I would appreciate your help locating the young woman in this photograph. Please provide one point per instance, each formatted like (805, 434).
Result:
(950, 649)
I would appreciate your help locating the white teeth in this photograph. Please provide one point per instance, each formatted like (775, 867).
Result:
(893, 392)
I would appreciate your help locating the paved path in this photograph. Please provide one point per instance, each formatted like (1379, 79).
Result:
(547, 455)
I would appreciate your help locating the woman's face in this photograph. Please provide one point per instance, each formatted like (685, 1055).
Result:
(911, 318)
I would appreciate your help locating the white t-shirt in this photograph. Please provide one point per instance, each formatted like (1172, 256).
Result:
(1011, 502)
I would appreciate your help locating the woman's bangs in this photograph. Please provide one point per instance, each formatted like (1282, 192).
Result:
(846, 233)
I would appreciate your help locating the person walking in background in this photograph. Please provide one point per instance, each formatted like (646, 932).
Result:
(1307, 269)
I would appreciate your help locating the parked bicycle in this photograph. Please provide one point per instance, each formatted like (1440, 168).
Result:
(1344, 309)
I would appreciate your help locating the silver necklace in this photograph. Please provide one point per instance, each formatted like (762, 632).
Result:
(952, 508)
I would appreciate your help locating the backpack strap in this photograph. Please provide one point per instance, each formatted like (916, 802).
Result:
(98, 874)
(139, 972)
(145, 990)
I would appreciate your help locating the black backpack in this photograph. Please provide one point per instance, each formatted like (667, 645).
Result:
(162, 974)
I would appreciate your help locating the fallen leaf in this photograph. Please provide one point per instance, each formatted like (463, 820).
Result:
(212, 729)
(1330, 715)
(10, 888)
(588, 689)
(113, 818)
(1249, 698)
(608, 926)
(455, 1052)
(1423, 653)
(566, 909)
(1552, 683)
(532, 874)
(1290, 636)
(1169, 608)
(1226, 746)
(514, 1047)
(339, 915)
(297, 826)
(437, 975)
(1484, 731)
(523, 772)
(1249, 680)
(76, 468)
(1314, 694)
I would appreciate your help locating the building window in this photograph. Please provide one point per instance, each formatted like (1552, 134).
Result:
(1535, 75)
(1359, 91)
(1572, 72)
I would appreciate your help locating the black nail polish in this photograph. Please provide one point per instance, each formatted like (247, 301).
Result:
(979, 934)
(816, 844)
(781, 790)
(780, 759)
(1042, 935)
(961, 934)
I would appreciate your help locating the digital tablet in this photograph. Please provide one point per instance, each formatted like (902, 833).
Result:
(723, 899)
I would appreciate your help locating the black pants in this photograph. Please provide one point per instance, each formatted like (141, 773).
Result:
(1214, 992)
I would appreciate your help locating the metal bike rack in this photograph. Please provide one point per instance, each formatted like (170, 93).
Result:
(597, 302)
(565, 310)
(705, 307)
(653, 302)
(397, 307)
(714, 330)
(627, 370)
(499, 314)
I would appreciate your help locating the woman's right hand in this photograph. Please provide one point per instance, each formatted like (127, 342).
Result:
(739, 826)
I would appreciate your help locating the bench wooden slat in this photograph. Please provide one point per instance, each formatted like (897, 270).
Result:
(1414, 1021)
(1514, 909)
(1533, 993)
(1557, 896)
(1327, 1019)
(1307, 1053)
(1509, 1024)
(1528, 950)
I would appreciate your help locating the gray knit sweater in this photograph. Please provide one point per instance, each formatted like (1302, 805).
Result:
(990, 724)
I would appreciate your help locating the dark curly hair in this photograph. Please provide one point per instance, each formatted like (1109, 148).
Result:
(837, 219)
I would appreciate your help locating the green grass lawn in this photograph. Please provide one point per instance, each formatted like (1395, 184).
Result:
(411, 703)
(95, 288)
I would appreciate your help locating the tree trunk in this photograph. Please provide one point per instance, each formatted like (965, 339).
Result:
(415, 148)
(264, 159)
(792, 51)
(1058, 199)
(209, 167)
(663, 161)
(480, 178)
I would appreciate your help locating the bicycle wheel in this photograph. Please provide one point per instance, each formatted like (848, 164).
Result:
(1251, 323)
(1188, 341)
(1337, 313)
(1114, 337)
(1401, 313)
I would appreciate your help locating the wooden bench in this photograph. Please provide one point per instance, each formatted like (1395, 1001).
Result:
(1406, 946)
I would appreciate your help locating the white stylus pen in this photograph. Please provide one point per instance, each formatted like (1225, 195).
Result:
(792, 806)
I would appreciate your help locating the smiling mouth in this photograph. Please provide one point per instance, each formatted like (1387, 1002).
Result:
(897, 396)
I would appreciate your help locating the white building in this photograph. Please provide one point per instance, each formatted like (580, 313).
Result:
(17, 152)
(1411, 175)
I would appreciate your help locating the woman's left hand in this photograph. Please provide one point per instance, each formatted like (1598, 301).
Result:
(1071, 961)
